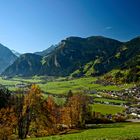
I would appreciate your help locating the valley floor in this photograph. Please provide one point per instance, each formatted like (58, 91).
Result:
(117, 131)
(61, 85)
(101, 103)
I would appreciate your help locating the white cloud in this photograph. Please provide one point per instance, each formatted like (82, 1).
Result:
(108, 28)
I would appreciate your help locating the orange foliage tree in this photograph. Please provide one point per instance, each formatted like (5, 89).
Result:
(75, 111)
(8, 123)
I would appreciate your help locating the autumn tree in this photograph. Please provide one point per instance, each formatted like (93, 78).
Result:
(76, 109)
(36, 115)
(8, 120)
(51, 112)
(8, 123)
(27, 108)
(66, 118)
(32, 107)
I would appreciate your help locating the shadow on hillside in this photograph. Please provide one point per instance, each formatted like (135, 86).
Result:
(93, 126)
(99, 126)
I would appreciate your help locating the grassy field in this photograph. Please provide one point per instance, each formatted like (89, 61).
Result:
(81, 84)
(27, 80)
(61, 85)
(8, 82)
(117, 131)
(109, 100)
(107, 109)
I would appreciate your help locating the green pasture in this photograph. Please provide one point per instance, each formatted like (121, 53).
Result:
(62, 85)
(8, 82)
(116, 131)
(107, 109)
(78, 85)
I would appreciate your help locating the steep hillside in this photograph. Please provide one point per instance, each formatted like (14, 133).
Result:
(125, 57)
(130, 71)
(74, 52)
(6, 57)
(26, 65)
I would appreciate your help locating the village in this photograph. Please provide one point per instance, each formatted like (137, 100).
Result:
(130, 98)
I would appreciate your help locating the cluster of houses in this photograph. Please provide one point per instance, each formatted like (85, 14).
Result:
(133, 111)
(131, 96)
(132, 93)
(22, 85)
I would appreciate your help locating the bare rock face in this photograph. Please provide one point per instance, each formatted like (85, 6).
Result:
(6, 57)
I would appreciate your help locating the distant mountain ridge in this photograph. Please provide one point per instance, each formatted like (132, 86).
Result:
(47, 51)
(6, 57)
(16, 53)
(26, 65)
(77, 57)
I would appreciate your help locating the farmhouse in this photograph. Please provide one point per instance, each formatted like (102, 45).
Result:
(21, 85)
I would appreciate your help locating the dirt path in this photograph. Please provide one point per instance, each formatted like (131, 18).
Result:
(133, 120)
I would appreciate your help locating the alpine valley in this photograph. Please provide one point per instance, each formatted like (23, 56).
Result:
(77, 57)
(81, 88)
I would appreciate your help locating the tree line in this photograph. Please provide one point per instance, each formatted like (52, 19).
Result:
(30, 114)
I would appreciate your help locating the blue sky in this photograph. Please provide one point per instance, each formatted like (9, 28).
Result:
(34, 25)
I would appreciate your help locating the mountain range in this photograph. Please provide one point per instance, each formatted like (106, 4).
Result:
(7, 57)
(75, 56)
(47, 51)
(16, 53)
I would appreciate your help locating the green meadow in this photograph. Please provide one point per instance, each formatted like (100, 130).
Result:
(62, 85)
(117, 131)
(107, 109)
(8, 82)
(78, 85)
